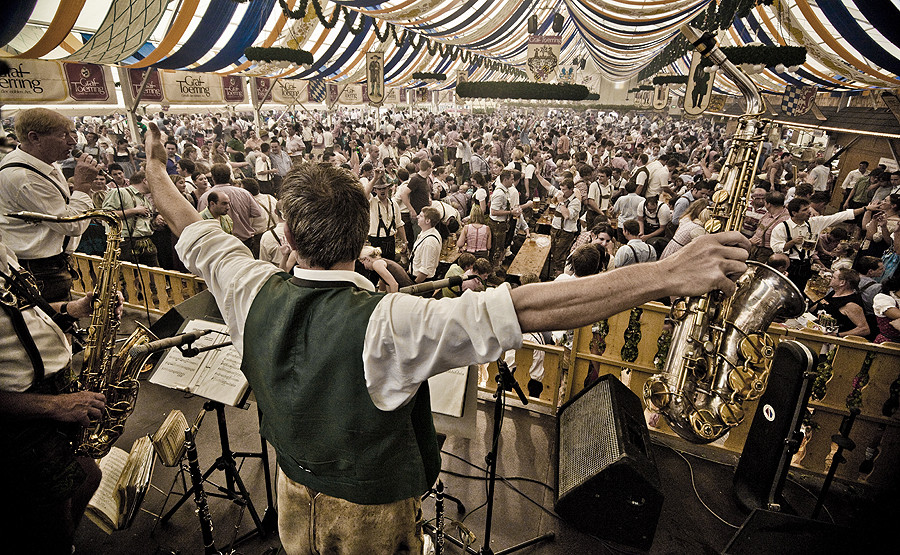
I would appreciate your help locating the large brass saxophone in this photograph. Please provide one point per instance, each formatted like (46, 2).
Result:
(113, 375)
(720, 354)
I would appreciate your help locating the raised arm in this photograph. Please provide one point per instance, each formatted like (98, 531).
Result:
(707, 263)
(177, 211)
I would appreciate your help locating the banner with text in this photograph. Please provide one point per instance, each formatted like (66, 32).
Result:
(543, 57)
(51, 82)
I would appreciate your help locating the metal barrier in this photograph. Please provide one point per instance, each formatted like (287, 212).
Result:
(144, 288)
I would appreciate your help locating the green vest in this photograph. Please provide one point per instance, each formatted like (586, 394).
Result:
(303, 347)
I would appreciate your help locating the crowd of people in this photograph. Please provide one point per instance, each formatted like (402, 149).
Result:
(437, 196)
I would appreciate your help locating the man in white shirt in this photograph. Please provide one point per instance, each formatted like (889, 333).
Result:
(818, 176)
(501, 210)
(384, 347)
(564, 225)
(425, 255)
(31, 180)
(852, 178)
(797, 236)
(627, 207)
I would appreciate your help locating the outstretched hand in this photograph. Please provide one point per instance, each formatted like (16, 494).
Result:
(710, 262)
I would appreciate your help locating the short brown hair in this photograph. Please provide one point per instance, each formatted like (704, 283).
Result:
(327, 211)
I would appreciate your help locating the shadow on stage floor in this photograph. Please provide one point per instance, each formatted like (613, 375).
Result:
(699, 514)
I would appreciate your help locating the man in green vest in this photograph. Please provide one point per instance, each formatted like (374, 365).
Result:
(340, 372)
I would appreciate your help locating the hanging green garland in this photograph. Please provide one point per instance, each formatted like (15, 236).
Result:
(670, 79)
(769, 56)
(279, 54)
(427, 76)
(434, 47)
(534, 91)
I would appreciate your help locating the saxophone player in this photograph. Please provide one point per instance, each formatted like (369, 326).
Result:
(31, 180)
(45, 485)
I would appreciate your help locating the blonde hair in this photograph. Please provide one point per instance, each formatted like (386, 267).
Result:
(370, 251)
(696, 209)
(42, 121)
(476, 215)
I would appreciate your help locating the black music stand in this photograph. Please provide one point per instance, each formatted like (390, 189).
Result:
(203, 306)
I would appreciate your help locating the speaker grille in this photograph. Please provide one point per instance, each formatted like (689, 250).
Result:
(588, 448)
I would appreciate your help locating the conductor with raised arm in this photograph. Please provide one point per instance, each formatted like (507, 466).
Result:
(339, 371)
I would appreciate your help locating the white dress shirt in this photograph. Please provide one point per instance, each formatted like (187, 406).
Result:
(23, 190)
(408, 339)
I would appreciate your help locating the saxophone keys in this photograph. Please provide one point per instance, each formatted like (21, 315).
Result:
(713, 226)
(704, 424)
(740, 380)
(656, 394)
(731, 414)
(757, 348)
(720, 196)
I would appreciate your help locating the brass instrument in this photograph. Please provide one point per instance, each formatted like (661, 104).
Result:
(113, 375)
(720, 355)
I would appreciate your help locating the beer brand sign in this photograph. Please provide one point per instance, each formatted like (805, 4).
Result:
(153, 91)
(51, 82)
(86, 82)
(233, 89)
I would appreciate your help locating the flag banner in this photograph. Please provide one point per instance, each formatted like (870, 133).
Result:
(346, 94)
(543, 57)
(403, 95)
(796, 101)
(51, 82)
(375, 77)
(660, 96)
(233, 89)
(184, 87)
(291, 91)
(131, 80)
(699, 87)
(332, 95)
(316, 90)
(392, 96)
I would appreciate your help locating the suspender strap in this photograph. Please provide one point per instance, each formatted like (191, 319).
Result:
(56, 186)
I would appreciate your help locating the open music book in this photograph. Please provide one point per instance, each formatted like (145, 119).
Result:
(215, 374)
(169, 438)
(126, 477)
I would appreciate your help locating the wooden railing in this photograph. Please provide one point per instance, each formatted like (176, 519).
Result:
(862, 375)
(144, 288)
(550, 397)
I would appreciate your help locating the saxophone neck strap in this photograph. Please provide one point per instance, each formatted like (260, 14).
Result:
(14, 312)
(20, 284)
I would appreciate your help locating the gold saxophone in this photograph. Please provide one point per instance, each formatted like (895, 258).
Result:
(113, 375)
(720, 354)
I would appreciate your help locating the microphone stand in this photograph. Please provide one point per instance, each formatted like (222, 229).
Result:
(505, 381)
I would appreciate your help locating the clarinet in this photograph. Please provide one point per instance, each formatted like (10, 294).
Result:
(439, 518)
(206, 526)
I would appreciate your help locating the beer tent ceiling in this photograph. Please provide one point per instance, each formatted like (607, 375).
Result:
(852, 45)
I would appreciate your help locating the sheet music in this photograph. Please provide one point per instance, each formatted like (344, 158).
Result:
(448, 391)
(214, 374)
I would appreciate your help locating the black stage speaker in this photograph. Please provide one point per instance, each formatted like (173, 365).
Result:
(773, 437)
(774, 533)
(607, 482)
(532, 25)
(558, 21)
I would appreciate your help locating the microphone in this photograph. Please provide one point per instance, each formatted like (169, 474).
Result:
(429, 286)
(76, 154)
(161, 344)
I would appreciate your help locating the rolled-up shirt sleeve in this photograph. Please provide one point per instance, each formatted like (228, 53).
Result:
(409, 339)
(232, 274)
